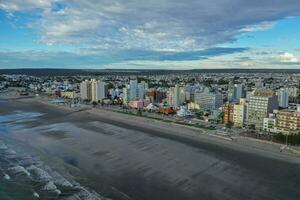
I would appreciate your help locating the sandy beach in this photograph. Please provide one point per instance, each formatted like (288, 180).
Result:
(127, 157)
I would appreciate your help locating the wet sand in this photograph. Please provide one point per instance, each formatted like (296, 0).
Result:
(124, 157)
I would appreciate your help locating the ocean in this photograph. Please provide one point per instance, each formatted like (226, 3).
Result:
(23, 176)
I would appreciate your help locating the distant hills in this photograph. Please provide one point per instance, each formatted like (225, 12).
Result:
(83, 72)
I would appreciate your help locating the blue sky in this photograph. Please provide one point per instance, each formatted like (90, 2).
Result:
(160, 34)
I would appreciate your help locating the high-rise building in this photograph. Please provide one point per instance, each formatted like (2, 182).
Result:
(283, 98)
(208, 100)
(176, 99)
(155, 95)
(288, 121)
(93, 90)
(133, 90)
(95, 87)
(236, 92)
(262, 102)
(173, 96)
(141, 90)
(228, 113)
(182, 95)
(84, 90)
(239, 92)
(103, 90)
(125, 95)
(239, 113)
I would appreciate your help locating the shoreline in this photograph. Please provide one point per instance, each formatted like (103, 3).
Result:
(246, 144)
(201, 132)
(136, 156)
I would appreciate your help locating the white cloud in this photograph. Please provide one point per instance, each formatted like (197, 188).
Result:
(125, 60)
(153, 25)
(258, 27)
(288, 58)
(19, 5)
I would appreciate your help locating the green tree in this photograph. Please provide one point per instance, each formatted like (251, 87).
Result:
(94, 103)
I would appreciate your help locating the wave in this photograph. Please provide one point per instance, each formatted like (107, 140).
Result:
(39, 179)
(18, 170)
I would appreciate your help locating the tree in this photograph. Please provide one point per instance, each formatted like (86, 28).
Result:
(220, 117)
(94, 103)
(110, 85)
(251, 127)
(199, 115)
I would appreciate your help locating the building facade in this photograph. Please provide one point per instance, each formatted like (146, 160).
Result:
(93, 90)
(228, 113)
(262, 102)
(239, 113)
(84, 90)
(288, 121)
(208, 100)
(283, 98)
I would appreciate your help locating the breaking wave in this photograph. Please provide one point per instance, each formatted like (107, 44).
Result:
(31, 178)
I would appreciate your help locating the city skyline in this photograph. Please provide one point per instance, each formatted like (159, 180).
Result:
(149, 35)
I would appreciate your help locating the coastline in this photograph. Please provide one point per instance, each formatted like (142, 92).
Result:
(124, 156)
(179, 130)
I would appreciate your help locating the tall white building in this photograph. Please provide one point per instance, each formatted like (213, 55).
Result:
(208, 100)
(262, 102)
(103, 90)
(133, 90)
(84, 87)
(236, 92)
(283, 98)
(182, 95)
(95, 90)
(239, 113)
(141, 91)
(98, 90)
(175, 96)
(126, 95)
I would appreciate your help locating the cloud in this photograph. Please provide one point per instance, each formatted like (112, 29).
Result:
(209, 58)
(148, 34)
(288, 58)
(156, 25)
(89, 59)
(198, 64)
(48, 59)
(163, 55)
(258, 27)
(21, 5)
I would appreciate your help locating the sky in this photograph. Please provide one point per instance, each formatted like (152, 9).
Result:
(150, 34)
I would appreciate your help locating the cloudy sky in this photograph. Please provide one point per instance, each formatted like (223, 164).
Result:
(150, 34)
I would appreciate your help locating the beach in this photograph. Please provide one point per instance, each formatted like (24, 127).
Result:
(126, 157)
